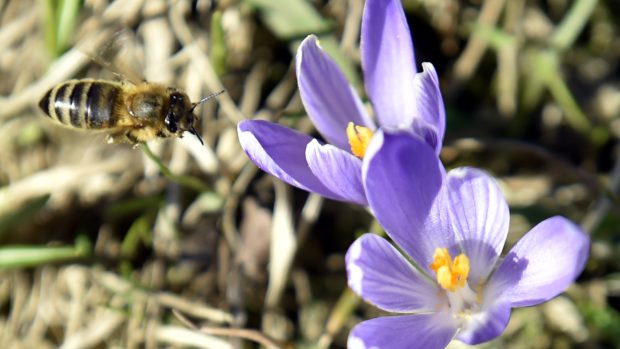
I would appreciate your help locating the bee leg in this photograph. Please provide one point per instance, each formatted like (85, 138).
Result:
(132, 138)
(121, 137)
(114, 138)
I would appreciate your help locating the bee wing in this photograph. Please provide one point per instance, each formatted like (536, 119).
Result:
(120, 56)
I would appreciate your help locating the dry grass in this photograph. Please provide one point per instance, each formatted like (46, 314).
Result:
(245, 259)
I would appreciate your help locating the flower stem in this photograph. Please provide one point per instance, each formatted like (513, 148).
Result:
(346, 305)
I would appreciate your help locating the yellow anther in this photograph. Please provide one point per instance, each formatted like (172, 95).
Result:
(451, 275)
(441, 257)
(359, 138)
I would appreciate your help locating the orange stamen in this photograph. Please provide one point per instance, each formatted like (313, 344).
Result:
(451, 275)
(359, 138)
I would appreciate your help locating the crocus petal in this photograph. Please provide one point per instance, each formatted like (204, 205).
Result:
(403, 178)
(485, 325)
(426, 132)
(429, 103)
(329, 99)
(338, 170)
(382, 276)
(542, 264)
(429, 331)
(280, 152)
(480, 217)
(388, 62)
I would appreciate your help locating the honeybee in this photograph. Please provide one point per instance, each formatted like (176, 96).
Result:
(133, 113)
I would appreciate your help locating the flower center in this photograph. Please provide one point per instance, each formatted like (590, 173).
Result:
(451, 274)
(462, 301)
(359, 138)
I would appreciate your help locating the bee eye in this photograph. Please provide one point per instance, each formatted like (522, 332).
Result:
(176, 98)
(170, 123)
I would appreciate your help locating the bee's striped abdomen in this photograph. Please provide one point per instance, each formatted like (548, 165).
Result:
(82, 103)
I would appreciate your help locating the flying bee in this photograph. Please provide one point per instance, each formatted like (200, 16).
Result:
(133, 113)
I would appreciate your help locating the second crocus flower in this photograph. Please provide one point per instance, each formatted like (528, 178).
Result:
(446, 279)
(401, 96)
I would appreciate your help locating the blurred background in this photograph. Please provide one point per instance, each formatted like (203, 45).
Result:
(168, 246)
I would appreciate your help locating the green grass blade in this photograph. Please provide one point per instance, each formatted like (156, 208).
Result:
(32, 256)
(289, 19)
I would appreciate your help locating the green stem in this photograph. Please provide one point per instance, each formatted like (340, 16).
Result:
(346, 305)
(32, 256)
(574, 22)
(186, 181)
(49, 22)
(67, 17)
(218, 44)
(547, 65)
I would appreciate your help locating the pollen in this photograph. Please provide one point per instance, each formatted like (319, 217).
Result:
(451, 274)
(359, 138)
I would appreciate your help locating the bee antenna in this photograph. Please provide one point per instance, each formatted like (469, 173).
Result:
(193, 131)
(213, 95)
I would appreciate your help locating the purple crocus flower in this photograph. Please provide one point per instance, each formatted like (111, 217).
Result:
(401, 98)
(446, 280)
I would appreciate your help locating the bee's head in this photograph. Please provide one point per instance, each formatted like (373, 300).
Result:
(180, 116)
